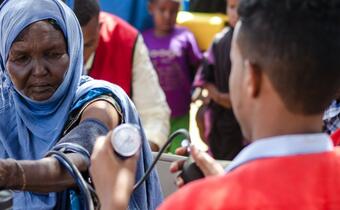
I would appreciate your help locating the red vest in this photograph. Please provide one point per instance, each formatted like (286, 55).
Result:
(114, 55)
(302, 182)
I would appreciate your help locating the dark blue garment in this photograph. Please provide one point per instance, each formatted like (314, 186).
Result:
(133, 11)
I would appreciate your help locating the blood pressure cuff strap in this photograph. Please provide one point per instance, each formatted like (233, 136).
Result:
(83, 135)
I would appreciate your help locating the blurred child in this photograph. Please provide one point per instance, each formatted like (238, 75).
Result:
(175, 56)
(221, 129)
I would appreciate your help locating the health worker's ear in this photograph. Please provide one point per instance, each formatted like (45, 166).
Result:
(253, 78)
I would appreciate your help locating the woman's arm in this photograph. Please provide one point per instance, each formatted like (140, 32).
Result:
(102, 111)
(47, 175)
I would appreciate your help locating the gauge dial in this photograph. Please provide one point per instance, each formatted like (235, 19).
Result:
(126, 140)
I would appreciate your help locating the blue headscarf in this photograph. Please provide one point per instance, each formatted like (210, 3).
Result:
(33, 127)
(28, 129)
(133, 11)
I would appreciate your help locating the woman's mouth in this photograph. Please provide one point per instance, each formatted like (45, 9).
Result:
(40, 88)
(40, 92)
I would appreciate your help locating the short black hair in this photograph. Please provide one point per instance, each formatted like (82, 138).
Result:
(297, 44)
(85, 10)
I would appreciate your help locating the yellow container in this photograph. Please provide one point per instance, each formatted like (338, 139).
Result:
(203, 25)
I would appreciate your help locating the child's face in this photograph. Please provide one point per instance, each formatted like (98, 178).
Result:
(232, 12)
(164, 13)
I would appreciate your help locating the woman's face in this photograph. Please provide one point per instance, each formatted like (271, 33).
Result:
(38, 61)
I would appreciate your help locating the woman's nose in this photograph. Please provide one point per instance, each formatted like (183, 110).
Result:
(38, 68)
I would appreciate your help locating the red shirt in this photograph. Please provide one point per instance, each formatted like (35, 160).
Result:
(305, 182)
(113, 60)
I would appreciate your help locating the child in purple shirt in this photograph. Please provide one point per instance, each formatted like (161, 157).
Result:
(175, 55)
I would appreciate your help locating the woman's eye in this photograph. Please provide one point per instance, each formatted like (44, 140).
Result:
(54, 55)
(21, 59)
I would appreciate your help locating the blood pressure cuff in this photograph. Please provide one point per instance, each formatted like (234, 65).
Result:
(83, 135)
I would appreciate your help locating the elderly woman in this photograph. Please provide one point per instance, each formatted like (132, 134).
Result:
(44, 102)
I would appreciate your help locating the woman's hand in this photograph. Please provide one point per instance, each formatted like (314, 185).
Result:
(204, 161)
(113, 177)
